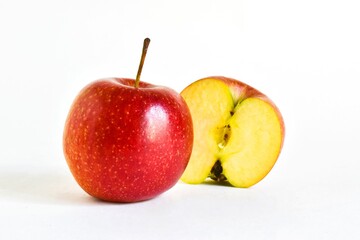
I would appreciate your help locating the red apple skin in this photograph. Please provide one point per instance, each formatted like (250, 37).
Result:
(242, 91)
(127, 144)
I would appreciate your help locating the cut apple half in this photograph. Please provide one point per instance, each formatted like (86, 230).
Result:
(238, 132)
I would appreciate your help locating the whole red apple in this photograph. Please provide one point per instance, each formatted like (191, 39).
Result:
(127, 141)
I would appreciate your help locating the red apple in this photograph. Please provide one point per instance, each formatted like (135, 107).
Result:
(127, 141)
(238, 132)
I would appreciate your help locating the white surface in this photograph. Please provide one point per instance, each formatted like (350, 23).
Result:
(303, 54)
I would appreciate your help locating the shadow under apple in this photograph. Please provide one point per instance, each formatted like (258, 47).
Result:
(217, 183)
(50, 185)
(43, 186)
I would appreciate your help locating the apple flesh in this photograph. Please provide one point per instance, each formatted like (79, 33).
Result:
(124, 143)
(238, 132)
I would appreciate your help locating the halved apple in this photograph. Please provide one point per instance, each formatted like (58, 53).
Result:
(238, 132)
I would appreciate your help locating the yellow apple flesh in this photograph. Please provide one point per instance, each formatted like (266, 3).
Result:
(238, 132)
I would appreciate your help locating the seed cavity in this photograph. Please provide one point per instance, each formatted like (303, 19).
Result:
(226, 135)
(216, 172)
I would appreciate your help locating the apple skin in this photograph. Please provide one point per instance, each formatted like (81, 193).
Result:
(127, 144)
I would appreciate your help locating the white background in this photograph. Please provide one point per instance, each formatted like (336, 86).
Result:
(303, 54)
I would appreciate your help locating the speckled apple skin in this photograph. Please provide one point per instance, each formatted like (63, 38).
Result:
(127, 144)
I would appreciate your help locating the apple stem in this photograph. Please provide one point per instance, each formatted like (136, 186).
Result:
(143, 55)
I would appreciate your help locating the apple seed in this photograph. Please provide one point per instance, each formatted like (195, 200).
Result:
(216, 172)
(226, 136)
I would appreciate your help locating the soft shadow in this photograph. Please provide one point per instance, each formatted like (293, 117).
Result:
(215, 183)
(53, 186)
(42, 187)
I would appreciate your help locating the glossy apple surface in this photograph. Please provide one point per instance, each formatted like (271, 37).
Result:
(238, 132)
(127, 144)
